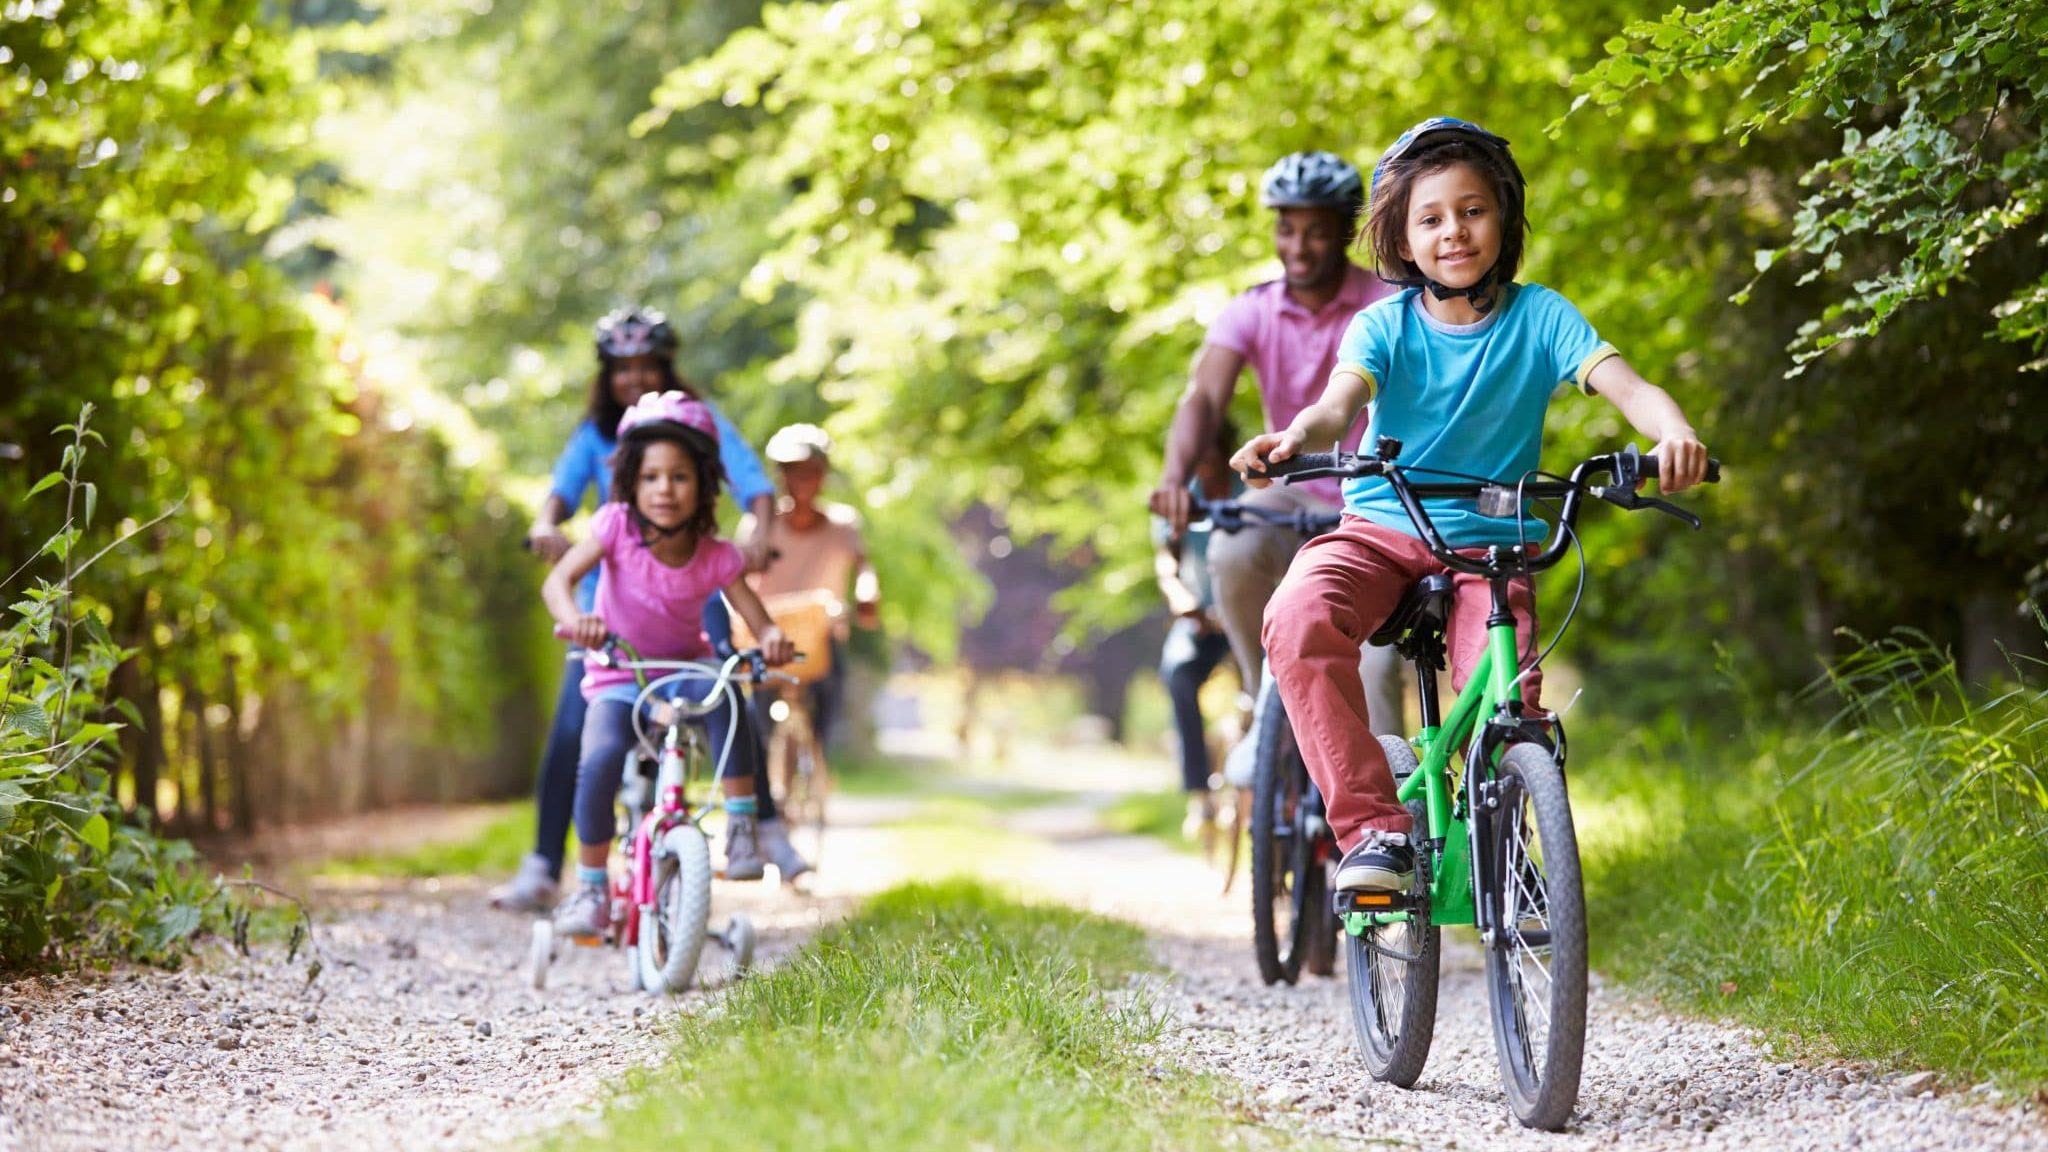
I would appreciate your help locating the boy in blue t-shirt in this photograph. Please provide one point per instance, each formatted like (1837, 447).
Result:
(1460, 368)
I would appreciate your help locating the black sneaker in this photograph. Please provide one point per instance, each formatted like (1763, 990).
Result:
(1382, 862)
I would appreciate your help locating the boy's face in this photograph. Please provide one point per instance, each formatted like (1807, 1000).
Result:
(1310, 244)
(666, 490)
(804, 479)
(1453, 230)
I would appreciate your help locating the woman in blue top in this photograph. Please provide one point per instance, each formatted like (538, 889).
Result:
(636, 355)
(1461, 368)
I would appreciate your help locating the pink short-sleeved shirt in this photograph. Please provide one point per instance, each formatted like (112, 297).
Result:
(657, 609)
(1293, 350)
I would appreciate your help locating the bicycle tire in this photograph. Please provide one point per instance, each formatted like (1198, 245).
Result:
(672, 929)
(1393, 1000)
(809, 786)
(1279, 785)
(1534, 886)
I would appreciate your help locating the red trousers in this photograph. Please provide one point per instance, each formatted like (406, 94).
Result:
(1339, 590)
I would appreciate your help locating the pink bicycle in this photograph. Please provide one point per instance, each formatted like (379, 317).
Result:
(661, 902)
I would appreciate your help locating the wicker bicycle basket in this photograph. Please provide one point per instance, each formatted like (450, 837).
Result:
(809, 619)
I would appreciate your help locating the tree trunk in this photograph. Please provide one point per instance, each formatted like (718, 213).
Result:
(241, 804)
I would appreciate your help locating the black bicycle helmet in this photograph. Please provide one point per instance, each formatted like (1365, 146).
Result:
(1513, 193)
(630, 332)
(1313, 180)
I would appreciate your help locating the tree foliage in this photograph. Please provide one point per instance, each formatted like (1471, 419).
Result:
(312, 630)
(1942, 155)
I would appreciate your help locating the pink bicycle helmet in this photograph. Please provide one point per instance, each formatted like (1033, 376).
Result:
(692, 417)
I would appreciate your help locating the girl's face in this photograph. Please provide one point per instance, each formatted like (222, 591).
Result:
(634, 377)
(1453, 228)
(666, 490)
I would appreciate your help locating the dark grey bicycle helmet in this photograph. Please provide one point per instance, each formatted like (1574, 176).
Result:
(1437, 130)
(635, 332)
(1313, 180)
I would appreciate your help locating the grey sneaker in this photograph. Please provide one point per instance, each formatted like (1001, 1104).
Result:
(743, 848)
(531, 889)
(774, 839)
(586, 913)
(1382, 862)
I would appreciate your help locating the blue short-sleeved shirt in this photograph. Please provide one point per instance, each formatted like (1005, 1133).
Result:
(1466, 399)
(587, 463)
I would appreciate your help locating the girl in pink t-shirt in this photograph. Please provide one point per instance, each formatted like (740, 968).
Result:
(662, 560)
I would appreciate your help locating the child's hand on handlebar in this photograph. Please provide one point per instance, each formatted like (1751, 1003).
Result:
(1681, 461)
(776, 648)
(1269, 447)
(585, 631)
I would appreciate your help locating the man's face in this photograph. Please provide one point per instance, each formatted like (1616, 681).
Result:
(803, 479)
(1310, 244)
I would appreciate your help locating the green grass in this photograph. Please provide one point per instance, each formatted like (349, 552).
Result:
(941, 1017)
(1871, 889)
(494, 850)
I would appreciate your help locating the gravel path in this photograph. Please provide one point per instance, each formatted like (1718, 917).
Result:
(420, 1032)
(1652, 1080)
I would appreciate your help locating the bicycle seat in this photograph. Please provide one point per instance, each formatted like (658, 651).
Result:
(1421, 609)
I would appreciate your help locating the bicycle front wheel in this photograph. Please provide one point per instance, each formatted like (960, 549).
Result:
(809, 785)
(672, 929)
(1284, 893)
(1393, 967)
(1536, 960)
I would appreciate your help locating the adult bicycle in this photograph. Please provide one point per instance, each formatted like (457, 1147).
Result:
(1291, 846)
(1495, 843)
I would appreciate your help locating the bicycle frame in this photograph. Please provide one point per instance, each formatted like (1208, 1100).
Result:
(1493, 690)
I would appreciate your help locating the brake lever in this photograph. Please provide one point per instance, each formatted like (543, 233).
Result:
(1669, 509)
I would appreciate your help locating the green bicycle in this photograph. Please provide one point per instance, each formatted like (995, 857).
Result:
(1495, 846)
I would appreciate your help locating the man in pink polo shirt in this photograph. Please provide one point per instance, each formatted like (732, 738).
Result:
(1287, 330)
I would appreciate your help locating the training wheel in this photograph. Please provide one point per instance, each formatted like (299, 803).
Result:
(739, 940)
(540, 952)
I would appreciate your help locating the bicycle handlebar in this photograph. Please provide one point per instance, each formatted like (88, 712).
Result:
(1234, 516)
(1629, 467)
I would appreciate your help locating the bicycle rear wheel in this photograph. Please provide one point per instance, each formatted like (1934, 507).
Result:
(1284, 868)
(1394, 967)
(1536, 961)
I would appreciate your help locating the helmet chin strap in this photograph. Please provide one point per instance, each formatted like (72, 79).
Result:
(1482, 294)
(647, 526)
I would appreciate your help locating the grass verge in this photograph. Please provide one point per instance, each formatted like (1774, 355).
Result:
(1870, 890)
(938, 1017)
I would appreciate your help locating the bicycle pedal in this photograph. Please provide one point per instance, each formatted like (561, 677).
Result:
(587, 941)
(1370, 900)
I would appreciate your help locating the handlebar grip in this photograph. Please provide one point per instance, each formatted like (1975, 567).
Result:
(1305, 462)
(1647, 467)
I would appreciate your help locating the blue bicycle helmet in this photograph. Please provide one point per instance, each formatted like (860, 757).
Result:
(1513, 190)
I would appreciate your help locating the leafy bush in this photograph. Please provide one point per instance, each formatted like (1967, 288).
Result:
(73, 875)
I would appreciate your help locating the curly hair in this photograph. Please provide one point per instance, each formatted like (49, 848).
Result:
(1386, 226)
(703, 521)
